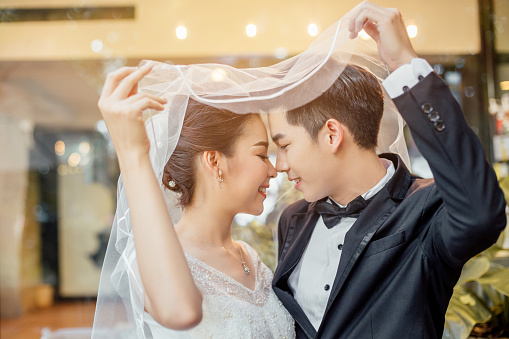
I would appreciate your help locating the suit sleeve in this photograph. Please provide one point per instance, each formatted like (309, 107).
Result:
(474, 207)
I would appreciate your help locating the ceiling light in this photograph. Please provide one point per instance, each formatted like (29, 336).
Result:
(181, 32)
(312, 30)
(364, 35)
(218, 74)
(251, 30)
(96, 45)
(412, 31)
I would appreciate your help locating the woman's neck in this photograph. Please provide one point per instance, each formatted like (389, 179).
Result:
(209, 222)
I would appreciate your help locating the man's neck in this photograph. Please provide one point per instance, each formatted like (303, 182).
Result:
(361, 173)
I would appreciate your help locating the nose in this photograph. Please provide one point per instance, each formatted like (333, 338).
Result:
(281, 164)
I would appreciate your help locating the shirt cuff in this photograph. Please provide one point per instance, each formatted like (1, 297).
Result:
(406, 77)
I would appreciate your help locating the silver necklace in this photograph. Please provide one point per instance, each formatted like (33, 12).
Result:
(241, 260)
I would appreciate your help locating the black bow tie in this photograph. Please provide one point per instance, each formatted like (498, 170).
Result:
(332, 213)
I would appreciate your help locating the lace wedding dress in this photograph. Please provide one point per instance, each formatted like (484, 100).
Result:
(231, 310)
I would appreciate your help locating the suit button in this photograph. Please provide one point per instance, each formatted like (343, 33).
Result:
(326, 287)
(406, 88)
(439, 125)
(427, 108)
(433, 116)
(420, 77)
(340, 247)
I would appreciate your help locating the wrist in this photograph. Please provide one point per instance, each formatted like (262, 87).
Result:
(133, 160)
(402, 60)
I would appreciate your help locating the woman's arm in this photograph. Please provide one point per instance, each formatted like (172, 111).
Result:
(173, 298)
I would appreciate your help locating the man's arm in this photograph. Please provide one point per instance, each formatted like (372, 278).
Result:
(474, 213)
(474, 204)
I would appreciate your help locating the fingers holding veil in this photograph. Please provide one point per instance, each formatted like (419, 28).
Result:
(388, 30)
(142, 101)
(122, 106)
(114, 78)
(121, 87)
(364, 13)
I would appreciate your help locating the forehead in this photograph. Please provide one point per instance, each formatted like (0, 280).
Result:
(279, 126)
(254, 130)
(277, 123)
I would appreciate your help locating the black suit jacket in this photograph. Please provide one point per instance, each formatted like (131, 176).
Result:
(404, 254)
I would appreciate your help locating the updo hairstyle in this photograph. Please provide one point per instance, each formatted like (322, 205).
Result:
(205, 128)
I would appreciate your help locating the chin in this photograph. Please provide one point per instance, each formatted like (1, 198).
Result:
(312, 197)
(256, 210)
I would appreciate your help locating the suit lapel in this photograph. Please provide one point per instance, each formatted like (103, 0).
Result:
(289, 261)
(301, 231)
(358, 237)
(370, 220)
(296, 311)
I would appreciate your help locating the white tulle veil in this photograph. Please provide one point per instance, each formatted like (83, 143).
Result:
(284, 86)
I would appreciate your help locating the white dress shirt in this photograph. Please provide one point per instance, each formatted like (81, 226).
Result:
(312, 279)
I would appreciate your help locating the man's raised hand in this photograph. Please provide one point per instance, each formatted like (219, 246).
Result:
(387, 28)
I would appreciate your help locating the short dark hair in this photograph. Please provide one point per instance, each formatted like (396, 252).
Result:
(355, 100)
(205, 128)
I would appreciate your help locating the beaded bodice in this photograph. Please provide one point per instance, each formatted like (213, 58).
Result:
(231, 310)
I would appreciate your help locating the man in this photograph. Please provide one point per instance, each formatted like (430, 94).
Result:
(387, 271)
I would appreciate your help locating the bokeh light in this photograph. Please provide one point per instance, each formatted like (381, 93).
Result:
(84, 147)
(74, 159)
(59, 148)
(281, 53)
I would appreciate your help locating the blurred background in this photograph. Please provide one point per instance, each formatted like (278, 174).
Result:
(58, 168)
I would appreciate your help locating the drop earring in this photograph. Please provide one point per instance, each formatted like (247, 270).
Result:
(220, 178)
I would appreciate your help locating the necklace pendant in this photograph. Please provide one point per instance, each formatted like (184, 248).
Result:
(246, 269)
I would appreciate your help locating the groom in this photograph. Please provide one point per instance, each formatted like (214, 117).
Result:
(386, 267)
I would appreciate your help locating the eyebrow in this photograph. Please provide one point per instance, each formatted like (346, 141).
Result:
(262, 143)
(278, 136)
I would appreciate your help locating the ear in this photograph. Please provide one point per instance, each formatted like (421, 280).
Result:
(334, 133)
(212, 161)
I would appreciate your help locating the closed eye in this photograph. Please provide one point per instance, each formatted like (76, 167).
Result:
(283, 147)
(264, 157)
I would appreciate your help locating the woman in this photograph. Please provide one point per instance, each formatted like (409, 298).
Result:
(194, 275)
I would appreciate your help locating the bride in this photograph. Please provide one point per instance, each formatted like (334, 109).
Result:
(194, 275)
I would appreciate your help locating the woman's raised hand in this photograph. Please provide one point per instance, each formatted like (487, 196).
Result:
(171, 296)
(121, 106)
